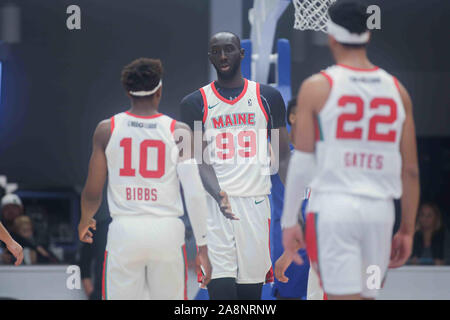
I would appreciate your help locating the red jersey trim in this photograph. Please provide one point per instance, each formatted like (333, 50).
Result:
(112, 124)
(396, 84)
(205, 105)
(172, 126)
(258, 94)
(330, 80)
(144, 117)
(358, 69)
(244, 91)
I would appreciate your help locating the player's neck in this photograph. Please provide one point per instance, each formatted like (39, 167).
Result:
(143, 108)
(236, 81)
(356, 58)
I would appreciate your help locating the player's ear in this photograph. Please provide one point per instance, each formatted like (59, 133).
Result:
(242, 53)
(158, 92)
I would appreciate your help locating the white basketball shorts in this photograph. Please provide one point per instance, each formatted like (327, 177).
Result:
(144, 259)
(348, 240)
(240, 248)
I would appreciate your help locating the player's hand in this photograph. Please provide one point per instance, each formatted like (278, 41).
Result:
(401, 249)
(292, 241)
(225, 206)
(203, 266)
(84, 233)
(281, 265)
(88, 286)
(16, 250)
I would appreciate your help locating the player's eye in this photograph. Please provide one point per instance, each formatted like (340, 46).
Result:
(229, 49)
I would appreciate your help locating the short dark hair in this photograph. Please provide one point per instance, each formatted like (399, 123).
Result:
(352, 15)
(292, 104)
(142, 74)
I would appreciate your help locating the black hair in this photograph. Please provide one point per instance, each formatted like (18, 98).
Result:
(352, 15)
(142, 74)
(235, 36)
(292, 104)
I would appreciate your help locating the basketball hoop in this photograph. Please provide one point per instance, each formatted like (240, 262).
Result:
(311, 14)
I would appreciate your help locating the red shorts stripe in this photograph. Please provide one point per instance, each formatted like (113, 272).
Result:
(311, 242)
(105, 259)
(269, 275)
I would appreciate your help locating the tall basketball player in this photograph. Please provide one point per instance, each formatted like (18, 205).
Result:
(139, 153)
(235, 115)
(361, 155)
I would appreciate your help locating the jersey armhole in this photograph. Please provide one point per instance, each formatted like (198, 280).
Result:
(396, 84)
(172, 126)
(327, 76)
(112, 124)
(258, 95)
(205, 105)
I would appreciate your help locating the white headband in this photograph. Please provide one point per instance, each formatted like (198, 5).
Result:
(342, 35)
(146, 93)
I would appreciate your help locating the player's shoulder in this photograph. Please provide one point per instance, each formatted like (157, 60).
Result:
(193, 98)
(267, 89)
(179, 125)
(103, 132)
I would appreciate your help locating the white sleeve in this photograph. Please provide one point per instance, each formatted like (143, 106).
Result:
(301, 171)
(195, 198)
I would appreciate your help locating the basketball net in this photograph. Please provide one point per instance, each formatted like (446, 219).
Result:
(311, 14)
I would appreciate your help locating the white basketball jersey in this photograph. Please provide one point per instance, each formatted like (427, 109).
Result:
(358, 134)
(142, 177)
(236, 131)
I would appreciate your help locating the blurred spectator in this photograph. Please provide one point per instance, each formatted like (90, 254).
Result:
(21, 230)
(429, 239)
(11, 208)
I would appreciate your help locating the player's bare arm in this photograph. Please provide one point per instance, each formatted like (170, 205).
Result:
(311, 98)
(91, 197)
(402, 242)
(194, 198)
(211, 184)
(284, 153)
(12, 246)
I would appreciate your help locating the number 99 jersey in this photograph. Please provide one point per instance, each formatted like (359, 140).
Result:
(358, 134)
(142, 155)
(236, 133)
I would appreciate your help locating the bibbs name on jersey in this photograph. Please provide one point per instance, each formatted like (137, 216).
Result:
(142, 176)
(236, 132)
(358, 134)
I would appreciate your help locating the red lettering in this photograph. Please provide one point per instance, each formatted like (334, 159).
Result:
(379, 161)
(228, 121)
(154, 194)
(242, 118)
(251, 118)
(369, 161)
(128, 190)
(219, 123)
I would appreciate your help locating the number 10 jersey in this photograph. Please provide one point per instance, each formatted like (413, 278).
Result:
(142, 155)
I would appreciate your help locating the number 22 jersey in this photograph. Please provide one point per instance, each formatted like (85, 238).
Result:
(358, 134)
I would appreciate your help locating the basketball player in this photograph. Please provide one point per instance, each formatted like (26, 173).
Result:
(292, 281)
(235, 115)
(143, 257)
(363, 157)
